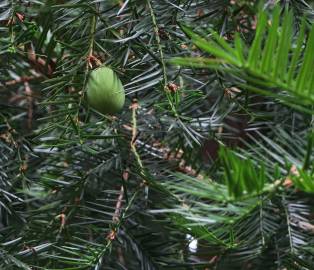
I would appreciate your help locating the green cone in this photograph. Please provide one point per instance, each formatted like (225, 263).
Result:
(105, 92)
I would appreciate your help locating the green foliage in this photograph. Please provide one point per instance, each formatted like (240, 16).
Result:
(304, 181)
(241, 176)
(273, 62)
(193, 158)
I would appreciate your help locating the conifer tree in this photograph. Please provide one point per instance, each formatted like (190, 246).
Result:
(209, 163)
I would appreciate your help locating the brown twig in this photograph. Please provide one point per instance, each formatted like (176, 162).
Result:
(125, 175)
(39, 64)
(29, 98)
(116, 216)
(22, 80)
(8, 136)
(117, 211)
(165, 153)
(118, 206)
(134, 108)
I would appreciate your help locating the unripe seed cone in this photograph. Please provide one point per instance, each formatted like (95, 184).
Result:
(105, 92)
